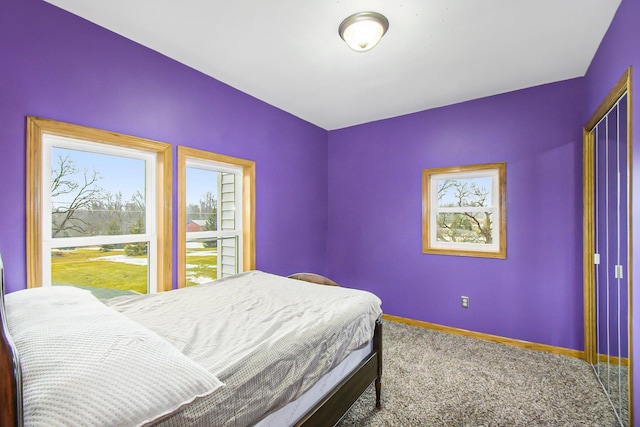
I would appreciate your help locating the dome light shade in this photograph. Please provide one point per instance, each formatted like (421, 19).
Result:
(362, 31)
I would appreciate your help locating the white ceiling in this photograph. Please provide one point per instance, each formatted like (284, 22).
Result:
(436, 52)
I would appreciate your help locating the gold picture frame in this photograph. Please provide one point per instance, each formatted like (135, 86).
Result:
(464, 210)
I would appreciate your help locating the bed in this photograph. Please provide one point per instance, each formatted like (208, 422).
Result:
(207, 355)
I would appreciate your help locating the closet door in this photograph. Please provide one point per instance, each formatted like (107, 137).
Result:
(610, 254)
(607, 247)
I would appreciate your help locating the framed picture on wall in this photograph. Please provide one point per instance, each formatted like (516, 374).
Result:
(464, 210)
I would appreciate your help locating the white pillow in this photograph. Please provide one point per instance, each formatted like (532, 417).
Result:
(85, 364)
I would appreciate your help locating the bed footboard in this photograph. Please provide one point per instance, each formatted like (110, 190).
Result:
(330, 410)
(10, 372)
(8, 390)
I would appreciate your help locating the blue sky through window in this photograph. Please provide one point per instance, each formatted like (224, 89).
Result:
(117, 174)
(126, 175)
(199, 183)
(450, 195)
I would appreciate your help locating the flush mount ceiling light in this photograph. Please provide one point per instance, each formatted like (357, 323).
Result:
(363, 30)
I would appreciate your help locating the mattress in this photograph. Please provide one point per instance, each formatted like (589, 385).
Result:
(269, 339)
(294, 411)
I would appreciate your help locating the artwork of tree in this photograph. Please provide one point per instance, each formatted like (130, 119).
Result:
(464, 210)
(473, 226)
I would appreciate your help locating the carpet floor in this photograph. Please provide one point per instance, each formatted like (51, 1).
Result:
(432, 378)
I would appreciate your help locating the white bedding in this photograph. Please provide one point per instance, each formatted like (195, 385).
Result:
(268, 338)
(294, 411)
(84, 364)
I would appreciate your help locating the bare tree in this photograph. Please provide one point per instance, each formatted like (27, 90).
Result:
(209, 207)
(136, 204)
(136, 209)
(82, 195)
(443, 187)
(114, 207)
(484, 224)
(208, 204)
(464, 226)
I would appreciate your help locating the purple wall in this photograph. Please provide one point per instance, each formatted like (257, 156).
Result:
(57, 66)
(620, 49)
(374, 236)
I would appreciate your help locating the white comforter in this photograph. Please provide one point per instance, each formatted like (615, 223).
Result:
(84, 364)
(266, 337)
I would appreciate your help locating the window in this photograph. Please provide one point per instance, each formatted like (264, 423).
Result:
(98, 209)
(216, 219)
(464, 211)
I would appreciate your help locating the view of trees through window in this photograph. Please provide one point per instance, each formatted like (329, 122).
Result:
(97, 200)
(81, 206)
(101, 215)
(204, 215)
(202, 192)
(216, 222)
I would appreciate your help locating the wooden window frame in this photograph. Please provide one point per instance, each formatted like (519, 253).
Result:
(248, 206)
(496, 250)
(36, 129)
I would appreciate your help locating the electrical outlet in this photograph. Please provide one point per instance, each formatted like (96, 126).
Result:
(465, 302)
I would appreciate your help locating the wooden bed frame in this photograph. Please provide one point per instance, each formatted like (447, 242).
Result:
(328, 412)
